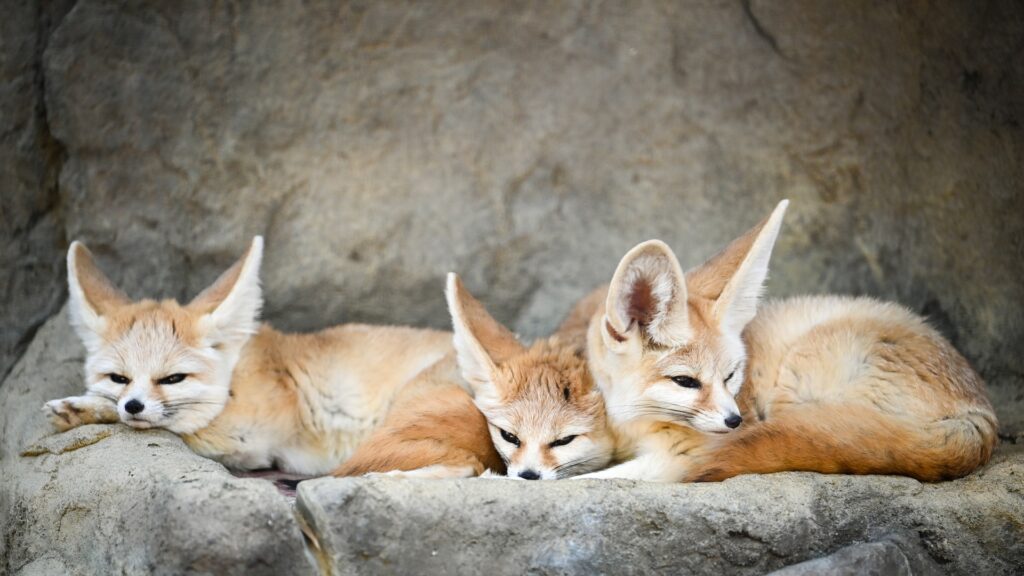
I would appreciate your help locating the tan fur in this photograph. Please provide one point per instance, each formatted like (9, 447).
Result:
(850, 385)
(434, 424)
(253, 397)
(829, 384)
(541, 393)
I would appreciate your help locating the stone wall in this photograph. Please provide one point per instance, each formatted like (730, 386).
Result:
(378, 145)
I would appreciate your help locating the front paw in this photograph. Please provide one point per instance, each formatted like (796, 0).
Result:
(74, 411)
(64, 414)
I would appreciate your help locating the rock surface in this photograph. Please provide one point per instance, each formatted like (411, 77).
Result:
(747, 525)
(887, 557)
(378, 145)
(31, 226)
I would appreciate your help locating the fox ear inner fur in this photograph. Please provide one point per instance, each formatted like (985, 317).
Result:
(91, 295)
(481, 342)
(647, 296)
(231, 305)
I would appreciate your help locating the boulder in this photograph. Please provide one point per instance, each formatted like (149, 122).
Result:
(745, 525)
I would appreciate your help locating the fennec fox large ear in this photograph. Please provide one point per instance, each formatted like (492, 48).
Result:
(91, 295)
(734, 278)
(647, 297)
(481, 343)
(230, 307)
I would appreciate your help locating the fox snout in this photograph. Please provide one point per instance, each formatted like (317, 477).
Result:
(138, 410)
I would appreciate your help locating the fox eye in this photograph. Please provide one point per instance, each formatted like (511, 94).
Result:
(172, 379)
(562, 441)
(510, 438)
(118, 379)
(686, 381)
(731, 374)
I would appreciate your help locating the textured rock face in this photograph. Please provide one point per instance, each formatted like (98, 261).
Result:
(747, 525)
(378, 145)
(31, 230)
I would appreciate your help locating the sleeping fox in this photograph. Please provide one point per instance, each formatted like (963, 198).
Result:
(699, 385)
(235, 391)
(535, 412)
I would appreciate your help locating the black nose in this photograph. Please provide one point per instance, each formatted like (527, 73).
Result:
(529, 475)
(133, 406)
(733, 420)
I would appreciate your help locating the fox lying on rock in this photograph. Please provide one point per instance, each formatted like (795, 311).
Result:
(352, 399)
(700, 385)
(670, 376)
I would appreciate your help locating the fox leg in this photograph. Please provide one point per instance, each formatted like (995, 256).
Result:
(74, 411)
(651, 466)
(436, 471)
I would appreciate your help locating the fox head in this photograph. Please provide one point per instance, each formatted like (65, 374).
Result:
(164, 364)
(668, 347)
(545, 415)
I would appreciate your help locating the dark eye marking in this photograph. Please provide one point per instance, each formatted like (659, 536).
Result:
(562, 441)
(565, 393)
(118, 379)
(172, 379)
(509, 437)
(686, 381)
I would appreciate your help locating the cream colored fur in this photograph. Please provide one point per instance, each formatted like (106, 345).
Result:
(827, 384)
(249, 396)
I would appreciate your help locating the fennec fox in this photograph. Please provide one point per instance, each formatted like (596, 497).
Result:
(541, 410)
(826, 384)
(241, 393)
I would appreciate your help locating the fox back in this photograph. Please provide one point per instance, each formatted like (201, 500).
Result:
(823, 384)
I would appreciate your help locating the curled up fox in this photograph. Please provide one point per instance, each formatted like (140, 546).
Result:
(700, 384)
(660, 375)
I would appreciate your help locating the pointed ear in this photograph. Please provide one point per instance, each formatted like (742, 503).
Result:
(734, 278)
(481, 343)
(230, 307)
(91, 295)
(647, 296)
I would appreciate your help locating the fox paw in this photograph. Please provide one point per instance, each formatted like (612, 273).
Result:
(64, 414)
(74, 411)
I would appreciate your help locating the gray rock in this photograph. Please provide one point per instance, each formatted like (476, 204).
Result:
(104, 499)
(886, 557)
(31, 228)
(380, 145)
(746, 525)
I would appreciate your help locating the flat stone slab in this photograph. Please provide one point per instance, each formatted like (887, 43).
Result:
(746, 525)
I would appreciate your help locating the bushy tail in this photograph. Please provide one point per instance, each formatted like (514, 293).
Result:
(852, 440)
